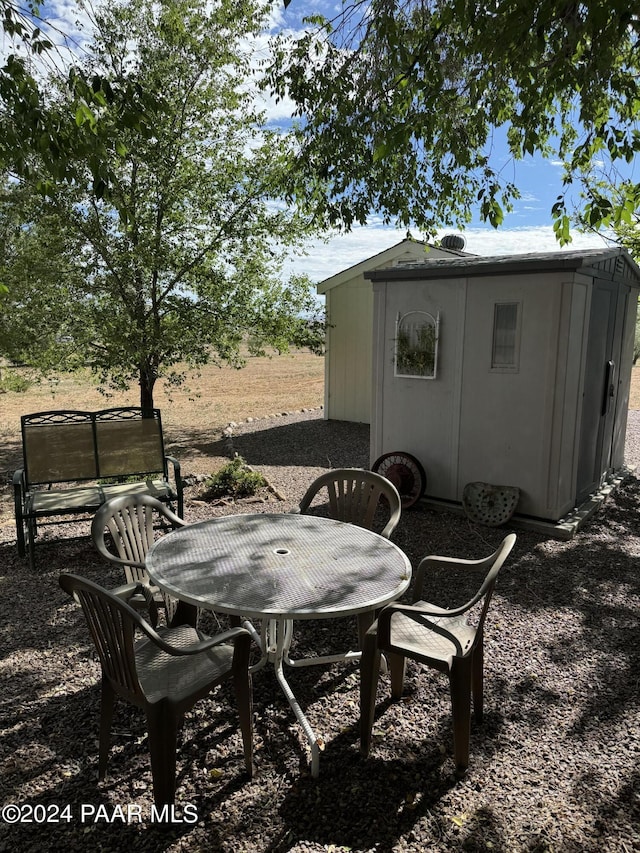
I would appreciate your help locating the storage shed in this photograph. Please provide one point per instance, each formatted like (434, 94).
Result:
(349, 309)
(510, 370)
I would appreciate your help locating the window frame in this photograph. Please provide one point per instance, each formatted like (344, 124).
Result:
(504, 366)
(430, 322)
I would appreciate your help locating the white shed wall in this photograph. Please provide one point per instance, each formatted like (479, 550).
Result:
(421, 416)
(349, 340)
(624, 377)
(533, 426)
(473, 422)
(513, 423)
(348, 352)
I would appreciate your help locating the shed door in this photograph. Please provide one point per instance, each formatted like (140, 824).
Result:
(604, 350)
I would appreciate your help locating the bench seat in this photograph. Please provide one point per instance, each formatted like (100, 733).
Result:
(90, 498)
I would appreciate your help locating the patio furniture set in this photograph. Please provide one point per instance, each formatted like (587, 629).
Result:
(268, 572)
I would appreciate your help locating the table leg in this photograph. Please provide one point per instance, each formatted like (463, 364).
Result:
(275, 641)
(365, 621)
(278, 638)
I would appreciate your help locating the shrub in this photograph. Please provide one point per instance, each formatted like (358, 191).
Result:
(235, 479)
(14, 382)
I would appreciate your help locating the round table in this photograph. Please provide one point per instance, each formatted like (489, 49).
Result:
(281, 568)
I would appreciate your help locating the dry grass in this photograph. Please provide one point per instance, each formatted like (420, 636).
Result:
(554, 764)
(195, 414)
(201, 408)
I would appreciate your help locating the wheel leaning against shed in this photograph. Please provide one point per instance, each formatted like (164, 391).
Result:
(405, 472)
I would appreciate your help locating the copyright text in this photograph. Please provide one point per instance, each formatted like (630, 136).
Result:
(88, 813)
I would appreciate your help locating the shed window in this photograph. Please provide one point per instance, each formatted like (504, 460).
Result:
(506, 328)
(417, 345)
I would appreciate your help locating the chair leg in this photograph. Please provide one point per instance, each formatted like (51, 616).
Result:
(244, 695)
(460, 682)
(477, 681)
(244, 702)
(369, 669)
(31, 536)
(365, 621)
(107, 700)
(162, 726)
(20, 530)
(397, 667)
(185, 614)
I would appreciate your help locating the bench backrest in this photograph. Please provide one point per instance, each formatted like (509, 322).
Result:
(66, 445)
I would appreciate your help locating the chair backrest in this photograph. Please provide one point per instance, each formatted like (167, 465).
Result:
(354, 495)
(488, 585)
(112, 625)
(58, 446)
(130, 521)
(129, 441)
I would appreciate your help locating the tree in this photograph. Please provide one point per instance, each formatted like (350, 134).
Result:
(399, 101)
(97, 110)
(181, 246)
(41, 276)
(613, 201)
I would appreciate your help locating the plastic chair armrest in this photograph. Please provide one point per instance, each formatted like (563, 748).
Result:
(114, 558)
(434, 561)
(125, 591)
(195, 648)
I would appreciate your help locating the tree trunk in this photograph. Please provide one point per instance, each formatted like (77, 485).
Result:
(148, 378)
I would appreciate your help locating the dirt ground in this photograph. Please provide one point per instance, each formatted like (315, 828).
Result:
(554, 764)
(194, 414)
(208, 400)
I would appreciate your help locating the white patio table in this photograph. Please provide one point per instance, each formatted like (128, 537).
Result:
(282, 568)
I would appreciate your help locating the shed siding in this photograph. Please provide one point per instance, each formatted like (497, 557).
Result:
(624, 377)
(349, 309)
(348, 357)
(421, 416)
(551, 421)
(505, 435)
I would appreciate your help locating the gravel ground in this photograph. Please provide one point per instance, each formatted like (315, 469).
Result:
(554, 765)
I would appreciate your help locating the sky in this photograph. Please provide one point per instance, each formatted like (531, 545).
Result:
(527, 228)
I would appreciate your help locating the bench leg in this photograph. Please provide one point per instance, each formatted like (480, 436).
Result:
(22, 549)
(31, 533)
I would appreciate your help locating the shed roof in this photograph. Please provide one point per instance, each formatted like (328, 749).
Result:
(608, 263)
(387, 256)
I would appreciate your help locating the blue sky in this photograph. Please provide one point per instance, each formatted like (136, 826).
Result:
(527, 228)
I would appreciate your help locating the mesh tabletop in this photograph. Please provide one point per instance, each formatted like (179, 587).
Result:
(295, 566)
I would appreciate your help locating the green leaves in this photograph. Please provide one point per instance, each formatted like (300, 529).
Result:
(169, 202)
(399, 106)
(84, 115)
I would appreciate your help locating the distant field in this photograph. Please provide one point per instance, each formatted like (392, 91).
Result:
(200, 409)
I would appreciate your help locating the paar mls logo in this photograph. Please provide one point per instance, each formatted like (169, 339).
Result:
(134, 813)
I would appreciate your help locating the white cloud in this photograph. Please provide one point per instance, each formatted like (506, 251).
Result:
(342, 251)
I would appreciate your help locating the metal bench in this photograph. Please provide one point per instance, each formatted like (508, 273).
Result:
(92, 454)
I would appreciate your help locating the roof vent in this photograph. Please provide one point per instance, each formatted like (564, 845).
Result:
(453, 241)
